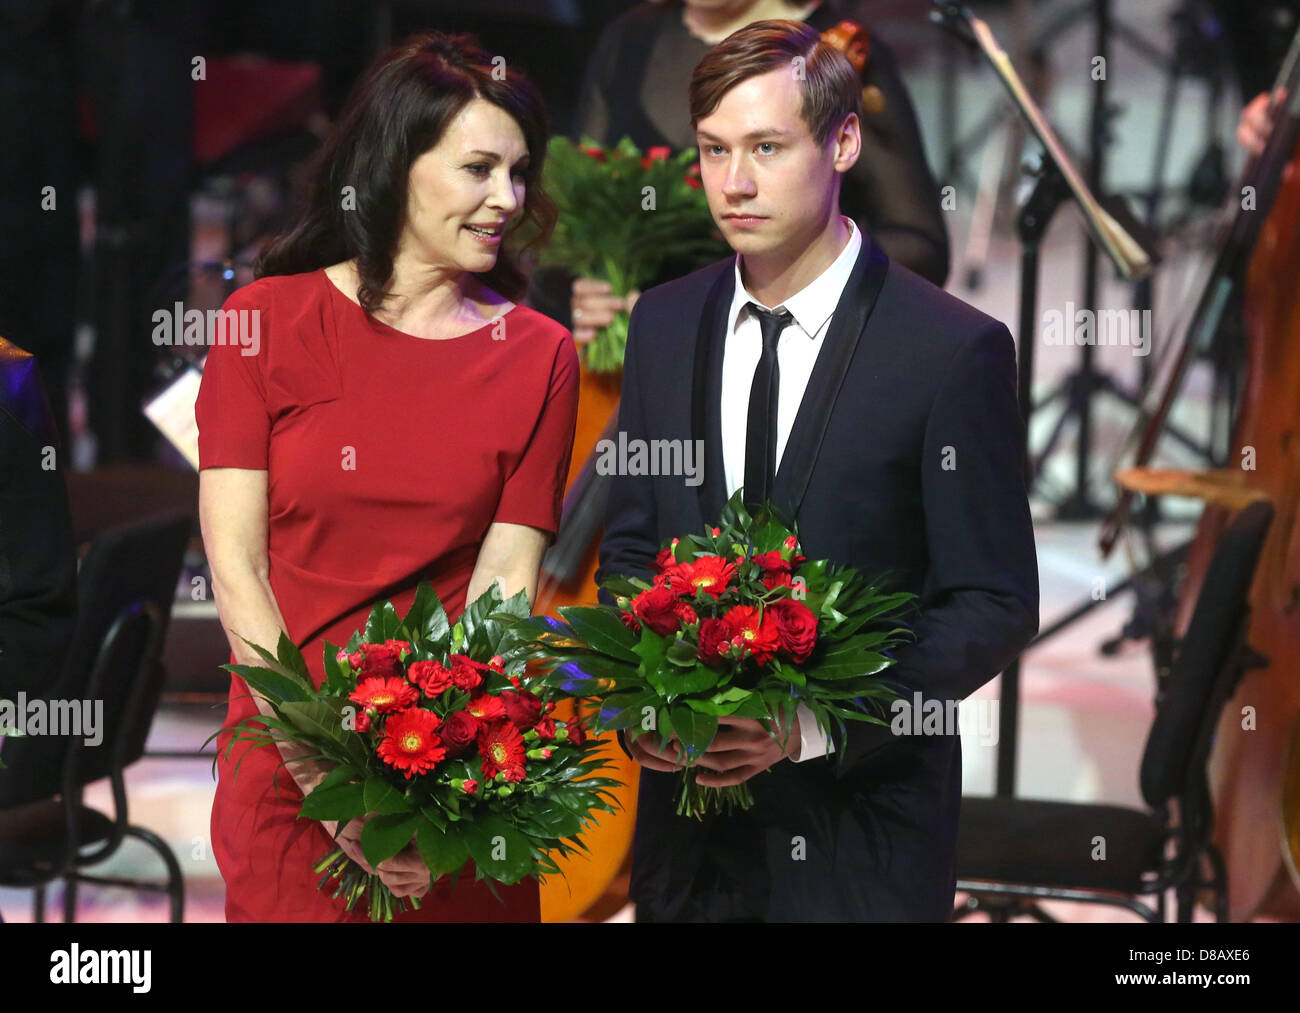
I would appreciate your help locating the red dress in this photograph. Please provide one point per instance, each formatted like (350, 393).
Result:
(388, 457)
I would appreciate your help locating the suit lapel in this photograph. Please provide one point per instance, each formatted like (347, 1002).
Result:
(706, 392)
(813, 417)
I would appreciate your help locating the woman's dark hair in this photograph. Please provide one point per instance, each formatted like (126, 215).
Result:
(401, 108)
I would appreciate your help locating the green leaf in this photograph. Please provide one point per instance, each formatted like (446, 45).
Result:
(384, 836)
(382, 798)
(695, 730)
(336, 802)
(290, 657)
(498, 849)
(427, 618)
(602, 629)
(273, 685)
(443, 853)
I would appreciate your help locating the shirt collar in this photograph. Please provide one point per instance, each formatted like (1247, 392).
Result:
(813, 304)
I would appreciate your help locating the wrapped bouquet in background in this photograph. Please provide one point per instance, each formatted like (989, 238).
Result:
(622, 216)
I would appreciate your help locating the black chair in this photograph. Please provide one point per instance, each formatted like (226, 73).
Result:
(1012, 852)
(125, 588)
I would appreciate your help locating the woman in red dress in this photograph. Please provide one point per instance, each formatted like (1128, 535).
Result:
(384, 415)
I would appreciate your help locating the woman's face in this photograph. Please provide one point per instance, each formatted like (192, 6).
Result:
(465, 190)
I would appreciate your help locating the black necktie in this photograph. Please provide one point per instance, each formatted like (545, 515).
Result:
(760, 431)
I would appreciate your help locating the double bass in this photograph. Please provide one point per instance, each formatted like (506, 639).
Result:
(1254, 768)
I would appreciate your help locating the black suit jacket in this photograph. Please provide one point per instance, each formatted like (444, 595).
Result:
(906, 457)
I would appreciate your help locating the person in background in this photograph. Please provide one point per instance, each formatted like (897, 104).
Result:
(636, 85)
(38, 555)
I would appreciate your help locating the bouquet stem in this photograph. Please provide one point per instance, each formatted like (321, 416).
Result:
(696, 800)
(354, 883)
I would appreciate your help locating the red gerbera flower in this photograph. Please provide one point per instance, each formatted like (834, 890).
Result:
(707, 573)
(409, 743)
(384, 695)
(501, 747)
(758, 633)
(486, 708)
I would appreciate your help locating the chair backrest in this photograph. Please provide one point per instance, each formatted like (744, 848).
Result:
(125, 588)
(1197, 689)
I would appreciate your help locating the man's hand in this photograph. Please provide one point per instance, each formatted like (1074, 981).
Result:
(593, 306)
(645, 751)
(743, 748)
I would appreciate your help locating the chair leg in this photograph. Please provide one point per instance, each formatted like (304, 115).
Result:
(69, 900)
(38, 903)
(175, 880)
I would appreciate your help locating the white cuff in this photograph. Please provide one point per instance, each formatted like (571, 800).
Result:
(812, 741)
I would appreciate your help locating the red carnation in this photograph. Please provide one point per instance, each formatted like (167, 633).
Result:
(522, 708)
(470, 786)
(545, 727)
(577, 733)
(714, 633)
(630, 621)
(756, 631)
(384, 695)
(431, 676)
(409, 743)
(796, 626)
(459, 731)
(501, 747)
(465, 672)
(597, 153)
(486, 708)
(685, 613)
(657, 609)
(362, 722)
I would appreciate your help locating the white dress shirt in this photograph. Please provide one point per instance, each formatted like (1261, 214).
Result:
(797, 348)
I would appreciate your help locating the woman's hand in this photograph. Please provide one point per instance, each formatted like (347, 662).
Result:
(405, 873)
(593, 307)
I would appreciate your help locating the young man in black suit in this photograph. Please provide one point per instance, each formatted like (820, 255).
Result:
(881, 413)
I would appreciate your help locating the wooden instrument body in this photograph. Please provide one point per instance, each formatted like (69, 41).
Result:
(1253, 828)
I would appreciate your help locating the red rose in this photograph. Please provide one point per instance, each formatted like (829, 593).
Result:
(362, 722)
(522, 708)
(458, 731)
(376, 660)
(796, 625)
(777, 578)
(657, 609)
(664, 559)
(545, 728)
(714, 633)
(756, 632)
(430, 676)
(772, 561)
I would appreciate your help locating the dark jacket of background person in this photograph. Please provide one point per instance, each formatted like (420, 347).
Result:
(38, 559)
(637, 83)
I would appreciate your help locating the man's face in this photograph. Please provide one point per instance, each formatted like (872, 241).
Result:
(770, 186)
